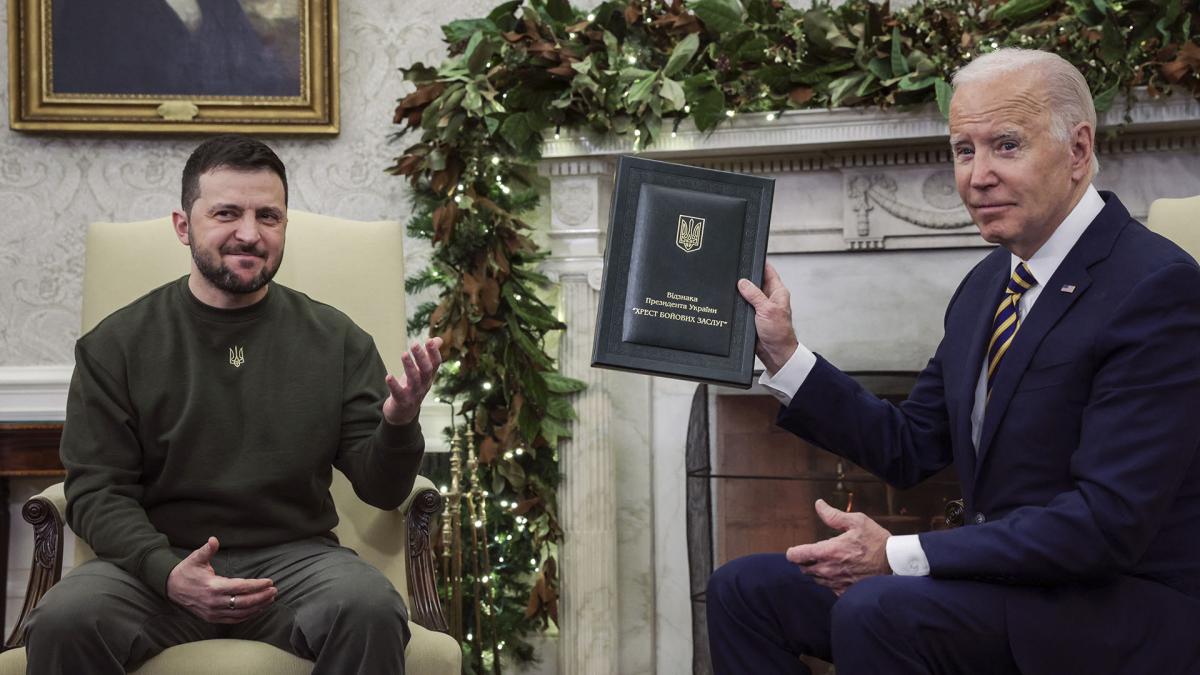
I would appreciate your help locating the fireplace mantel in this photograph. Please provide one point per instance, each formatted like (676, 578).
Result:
(867, 230)
(800, 131)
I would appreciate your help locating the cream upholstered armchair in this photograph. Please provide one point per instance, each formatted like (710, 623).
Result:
(354, 266)
(1177, 220)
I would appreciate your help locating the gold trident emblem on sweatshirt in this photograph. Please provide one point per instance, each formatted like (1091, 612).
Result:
(237, 356)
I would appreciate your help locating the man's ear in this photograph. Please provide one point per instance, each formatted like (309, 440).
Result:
(1083, 144)
(179, 221)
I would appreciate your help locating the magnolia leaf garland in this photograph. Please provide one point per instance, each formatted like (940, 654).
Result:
(639, 68)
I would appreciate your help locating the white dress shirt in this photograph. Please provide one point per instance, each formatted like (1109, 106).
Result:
(904, 552)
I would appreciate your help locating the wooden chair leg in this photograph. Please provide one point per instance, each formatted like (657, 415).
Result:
(46, 569)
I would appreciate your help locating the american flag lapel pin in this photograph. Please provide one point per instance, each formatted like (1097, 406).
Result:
(1068, 288)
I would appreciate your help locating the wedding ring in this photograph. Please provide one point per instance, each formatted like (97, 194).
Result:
(233, 602)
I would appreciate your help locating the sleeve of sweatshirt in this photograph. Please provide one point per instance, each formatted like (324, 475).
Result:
(380, 459)
(103, 458)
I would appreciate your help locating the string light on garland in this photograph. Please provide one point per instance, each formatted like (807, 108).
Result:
(670, 63)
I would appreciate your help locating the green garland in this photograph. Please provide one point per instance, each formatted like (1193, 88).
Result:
(639, 68)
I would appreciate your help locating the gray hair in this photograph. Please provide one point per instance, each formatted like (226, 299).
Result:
(1069, 99)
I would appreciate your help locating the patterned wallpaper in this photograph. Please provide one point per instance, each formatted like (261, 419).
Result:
(51, 186)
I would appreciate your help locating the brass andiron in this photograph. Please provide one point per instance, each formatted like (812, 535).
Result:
(467, 507)
(452, 537)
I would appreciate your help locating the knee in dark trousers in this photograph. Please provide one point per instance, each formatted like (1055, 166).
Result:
(100, 619)
(363, 608)
(920, 625)
(763, 613)
(875, 609)
(358, 624)
(62, 618)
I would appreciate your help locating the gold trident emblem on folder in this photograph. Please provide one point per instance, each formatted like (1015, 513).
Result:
(237, 356)
(690, 235)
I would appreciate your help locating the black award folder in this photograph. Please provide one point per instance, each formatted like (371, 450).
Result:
(679, 239)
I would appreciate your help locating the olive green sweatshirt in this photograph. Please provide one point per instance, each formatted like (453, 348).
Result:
(185, 421)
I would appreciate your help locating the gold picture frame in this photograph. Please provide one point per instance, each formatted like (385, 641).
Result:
(177, 66)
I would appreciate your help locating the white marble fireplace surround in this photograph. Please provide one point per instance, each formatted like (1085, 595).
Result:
(867, 232)
(869, 235)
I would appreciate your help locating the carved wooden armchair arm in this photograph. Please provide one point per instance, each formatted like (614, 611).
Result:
(46, 511)
(423, 504)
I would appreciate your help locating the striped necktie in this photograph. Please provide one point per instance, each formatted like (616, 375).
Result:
(1007, 319)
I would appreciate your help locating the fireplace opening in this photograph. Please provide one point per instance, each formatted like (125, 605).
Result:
(751, 487)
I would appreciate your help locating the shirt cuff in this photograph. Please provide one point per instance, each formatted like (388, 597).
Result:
(784, 384)
(906, 557)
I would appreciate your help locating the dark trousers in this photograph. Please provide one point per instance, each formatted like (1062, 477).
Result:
(332, 608)
(764, 612)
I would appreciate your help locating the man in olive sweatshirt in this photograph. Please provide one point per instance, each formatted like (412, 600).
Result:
(203, 424)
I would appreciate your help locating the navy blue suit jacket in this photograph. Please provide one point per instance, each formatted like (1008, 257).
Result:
(1084, 495)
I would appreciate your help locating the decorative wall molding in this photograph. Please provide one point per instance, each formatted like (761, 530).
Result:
(34, 393)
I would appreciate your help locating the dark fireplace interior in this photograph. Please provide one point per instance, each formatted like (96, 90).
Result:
(751, 488)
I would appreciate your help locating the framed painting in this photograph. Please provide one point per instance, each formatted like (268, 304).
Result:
(174, 66)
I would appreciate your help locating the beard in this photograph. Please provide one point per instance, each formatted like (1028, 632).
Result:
(220, 275)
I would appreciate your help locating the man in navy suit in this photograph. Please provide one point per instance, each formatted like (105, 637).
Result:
(1066, 391)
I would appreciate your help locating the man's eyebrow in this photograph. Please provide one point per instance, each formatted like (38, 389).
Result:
(222, 207)
(1005, 135)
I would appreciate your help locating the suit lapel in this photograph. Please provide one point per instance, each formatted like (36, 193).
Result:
(1050, 307)
(1095, 245)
